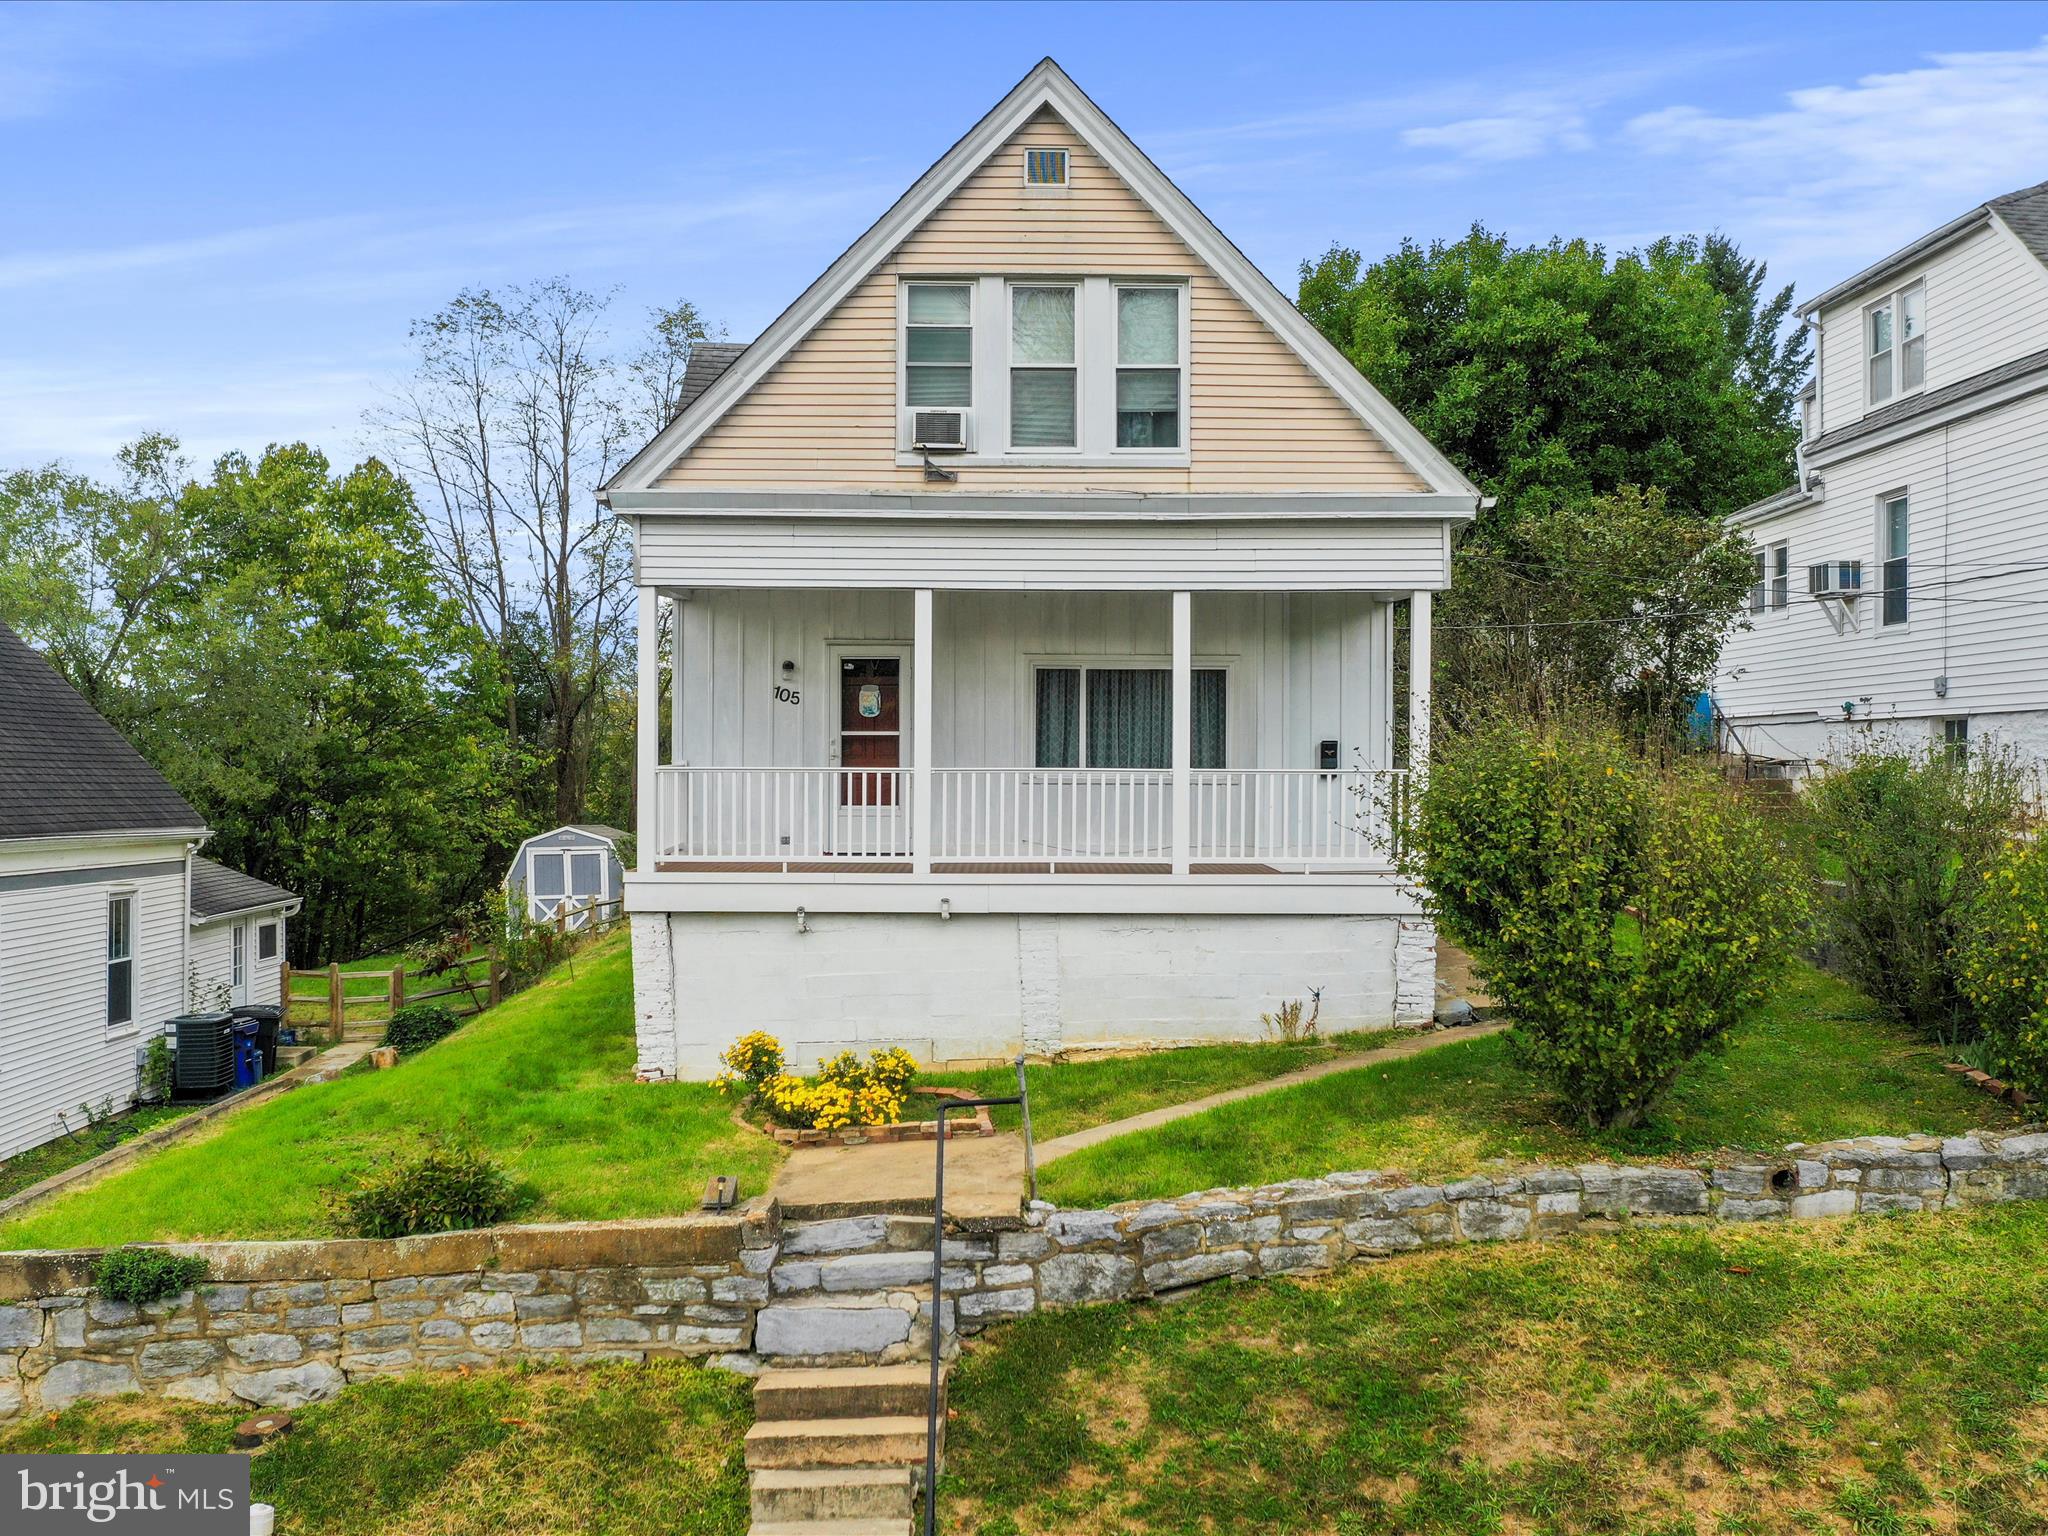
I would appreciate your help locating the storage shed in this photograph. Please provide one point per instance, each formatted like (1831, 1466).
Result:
(571, 864)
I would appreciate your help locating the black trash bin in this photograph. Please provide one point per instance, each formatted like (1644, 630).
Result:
(266, 1016)
(206, 1055)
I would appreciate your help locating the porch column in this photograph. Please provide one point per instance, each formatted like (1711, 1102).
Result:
(1183, 724)
(923, 664)
(1418, 689)
(647, 812)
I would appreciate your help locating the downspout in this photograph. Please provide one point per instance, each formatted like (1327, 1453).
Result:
(185, 936)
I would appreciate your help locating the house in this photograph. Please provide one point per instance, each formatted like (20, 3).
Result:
(1899, 584)
(573, 866)
(110, 924)
(1037, 580)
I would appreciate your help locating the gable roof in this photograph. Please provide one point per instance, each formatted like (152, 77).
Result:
(1046, 86)
(218, 891)
(2024, 212)
(63, 770)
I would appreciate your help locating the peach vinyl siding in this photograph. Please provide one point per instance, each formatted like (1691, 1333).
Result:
(1259, 418)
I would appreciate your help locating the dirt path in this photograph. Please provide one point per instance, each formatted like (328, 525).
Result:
(1415, 1045)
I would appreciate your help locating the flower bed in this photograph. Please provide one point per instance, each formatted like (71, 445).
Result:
(978, 1124)
(862, 1099)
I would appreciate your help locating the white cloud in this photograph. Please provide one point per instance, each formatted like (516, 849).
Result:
(1531, 125)
(1848, 172)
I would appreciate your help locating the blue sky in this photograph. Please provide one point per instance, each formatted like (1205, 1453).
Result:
(218, 220)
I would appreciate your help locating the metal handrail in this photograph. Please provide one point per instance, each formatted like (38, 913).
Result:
(931, 1427)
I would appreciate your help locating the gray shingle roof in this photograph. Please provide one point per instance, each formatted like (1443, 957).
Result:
(598, 829)
(218, 890)
(2026, 214)
(1932, 400)
(708, 359)
(63, 770)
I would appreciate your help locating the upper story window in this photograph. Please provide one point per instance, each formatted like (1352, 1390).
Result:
(1148, 367)
(1895, 343)
(1044, 376)
(1045, 167)
(1772, 587)
(1894, 518)
(938, 348)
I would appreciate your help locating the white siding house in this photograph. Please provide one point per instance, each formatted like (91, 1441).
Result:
(1902, 587)
(1035, 581)
(238, 936)
(100, 942)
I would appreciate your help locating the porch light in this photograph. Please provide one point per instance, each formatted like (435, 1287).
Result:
(788, 667)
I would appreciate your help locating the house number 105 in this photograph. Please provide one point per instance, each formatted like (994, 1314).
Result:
(787, 695)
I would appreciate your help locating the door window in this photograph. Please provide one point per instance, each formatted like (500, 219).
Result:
(870, 729)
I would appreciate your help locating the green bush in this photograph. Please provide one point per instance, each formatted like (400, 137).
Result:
(141, 1275)
(159, 1070)
(418, 1025)
(1624, 918)
(2003, 966)
(1902, 841)
(444, 1188)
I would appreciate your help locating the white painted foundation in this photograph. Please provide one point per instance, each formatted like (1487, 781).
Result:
(980, 986)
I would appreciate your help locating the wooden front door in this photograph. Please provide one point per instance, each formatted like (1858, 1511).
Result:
(870, 729)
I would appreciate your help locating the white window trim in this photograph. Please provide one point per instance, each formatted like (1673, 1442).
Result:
(274, 925)
(1095, 340)
(133, 896)
(1085, 664)
(1773, 566)
(1066, 181)
(1884, 556)
(1895, 355)
(1116, 364)
(1011, 365)
(238, 956)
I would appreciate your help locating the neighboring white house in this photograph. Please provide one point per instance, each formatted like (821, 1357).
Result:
(1902, 585)
(101, 941)
(1035, 579)
(573, 865)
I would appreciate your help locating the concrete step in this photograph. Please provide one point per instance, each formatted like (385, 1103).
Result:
(855, 1392)
(890, 1441)
(903, 1527)
(837, 1493)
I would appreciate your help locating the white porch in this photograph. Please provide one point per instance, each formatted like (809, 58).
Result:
(1172, 739)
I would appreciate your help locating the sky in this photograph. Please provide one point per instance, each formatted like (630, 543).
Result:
(219, 221)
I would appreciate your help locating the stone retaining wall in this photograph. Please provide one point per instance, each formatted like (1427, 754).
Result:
(285, 1323)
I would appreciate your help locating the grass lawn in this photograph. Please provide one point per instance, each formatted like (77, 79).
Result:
(1876, 1377)
(1075, 1095)
(38, 1163)
(623, 1450)
(1814, 1065)
(544, 1082)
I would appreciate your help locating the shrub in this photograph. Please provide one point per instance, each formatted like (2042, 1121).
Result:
(847, 1091)
(444, 1188)
(159, 1070)
(1624, 918)
(2003, 966)
(752, 1059)
(141, 1275)
(418, 1025)
(1903, 841)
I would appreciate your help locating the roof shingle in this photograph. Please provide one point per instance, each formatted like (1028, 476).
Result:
(218, 890)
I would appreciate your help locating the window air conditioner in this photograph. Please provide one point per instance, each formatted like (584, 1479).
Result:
(1838, 579)
(939, 431)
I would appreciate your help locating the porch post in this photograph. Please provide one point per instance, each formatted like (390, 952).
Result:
(923, 664)
(1183, 724)
(1418, 689)
(647, 813)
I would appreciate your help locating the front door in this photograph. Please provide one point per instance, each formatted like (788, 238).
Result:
(870, 754)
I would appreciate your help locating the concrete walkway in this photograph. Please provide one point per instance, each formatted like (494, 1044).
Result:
(1415, 1045)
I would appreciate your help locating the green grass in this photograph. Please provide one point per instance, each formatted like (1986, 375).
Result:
(650, 1450)
(1074, 1095)
(38, 1163)
(1876, 1377)
(1815, 1064)
(544, 1082)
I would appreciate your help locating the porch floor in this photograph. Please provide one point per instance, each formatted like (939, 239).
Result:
(871, 866)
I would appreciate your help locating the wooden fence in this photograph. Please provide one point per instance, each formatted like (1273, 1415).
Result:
(319, 999)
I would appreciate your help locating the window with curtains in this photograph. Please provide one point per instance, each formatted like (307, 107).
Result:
(938, 345)
(1148, 367)
(1044, 378)
(1122, 717)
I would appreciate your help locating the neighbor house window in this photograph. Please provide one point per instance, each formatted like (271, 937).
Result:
(1955, 741)
(1895, 335)
(1122, 717)
(938, 355)
(266, 942)
(1148, 375)
(1043, 377)
(239, 961)
(121, 959)
(1894, 518)
(1772, 586)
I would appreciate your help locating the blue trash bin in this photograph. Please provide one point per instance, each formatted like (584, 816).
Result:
(248, 1054)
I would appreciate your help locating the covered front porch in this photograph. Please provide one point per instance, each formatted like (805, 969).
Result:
(907, 735)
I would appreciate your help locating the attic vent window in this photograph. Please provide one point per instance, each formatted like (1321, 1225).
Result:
(1045, 167)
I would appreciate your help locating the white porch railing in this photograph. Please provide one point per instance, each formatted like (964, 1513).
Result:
(1286, 817)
